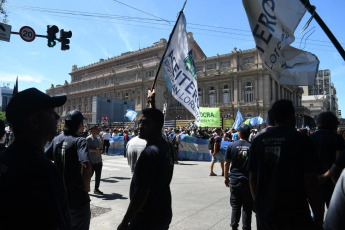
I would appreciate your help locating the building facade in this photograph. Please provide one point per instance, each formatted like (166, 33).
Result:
(229, 81)
(5, 96)
(322, 96)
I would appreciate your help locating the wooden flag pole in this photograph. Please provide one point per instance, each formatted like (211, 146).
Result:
(318, 19)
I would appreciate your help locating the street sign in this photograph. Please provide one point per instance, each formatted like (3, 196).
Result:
(5, 32)
(105, 118)
(27, 33)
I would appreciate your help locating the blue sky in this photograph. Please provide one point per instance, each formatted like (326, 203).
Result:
(218, 26)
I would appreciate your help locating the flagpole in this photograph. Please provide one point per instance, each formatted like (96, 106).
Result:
(160, 63)
(318, 19)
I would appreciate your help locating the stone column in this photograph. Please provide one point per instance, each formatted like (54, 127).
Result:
(235, 89)
(274, 90)
(261, 89)
(240, 97)
(256, 89)
(267, 91)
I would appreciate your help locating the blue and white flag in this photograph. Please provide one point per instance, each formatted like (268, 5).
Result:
(179, 70)
(253, 121)
(260, 120)
(273, 24)
(131, 114)
(238, 120)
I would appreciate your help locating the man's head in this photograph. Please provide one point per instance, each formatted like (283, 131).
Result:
(327, 120)
(151, 123)
(283, 113)
(270, 121)
(219, 131)
(244, 131)
(32, 111)
(94, 130)
(73, 122)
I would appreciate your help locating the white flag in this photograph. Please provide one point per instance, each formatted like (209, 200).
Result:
(179, 70)
(273, 24)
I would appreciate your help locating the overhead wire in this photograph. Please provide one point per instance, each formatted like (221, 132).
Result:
(73, 14)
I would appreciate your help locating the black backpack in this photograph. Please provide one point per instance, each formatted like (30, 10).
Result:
(211, 142)
(173, 140)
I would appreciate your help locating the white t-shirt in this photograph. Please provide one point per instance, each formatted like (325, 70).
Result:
(106, 136)
(133, 150)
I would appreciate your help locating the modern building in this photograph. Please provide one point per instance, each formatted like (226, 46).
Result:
(5, 95)
(230, 81)
(322, 96)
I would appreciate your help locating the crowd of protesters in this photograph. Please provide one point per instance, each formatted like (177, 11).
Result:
(277, 171)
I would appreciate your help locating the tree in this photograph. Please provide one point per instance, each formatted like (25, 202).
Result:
(3, 117)
(3, 13)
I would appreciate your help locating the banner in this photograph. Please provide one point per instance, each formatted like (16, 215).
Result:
(273, 24)
(238, 120)
(179, 70)
(131, 114)
(210, 117)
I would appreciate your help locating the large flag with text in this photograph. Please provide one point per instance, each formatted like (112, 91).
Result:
(179, 70)
(238, 120)
(273, 24)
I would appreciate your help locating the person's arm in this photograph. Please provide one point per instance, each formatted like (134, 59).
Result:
(86, 173)
(313, 192)
(252, 184)
(151, 98)
(226, 172)
(137, 202)
(334, 173)
(178, 140)
(90, 147)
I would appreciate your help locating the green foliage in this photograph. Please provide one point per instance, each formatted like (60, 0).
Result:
(3, 13)
(3, 117)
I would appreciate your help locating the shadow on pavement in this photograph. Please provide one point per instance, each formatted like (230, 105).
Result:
(180, 163)
(112, 196)
(114, 179)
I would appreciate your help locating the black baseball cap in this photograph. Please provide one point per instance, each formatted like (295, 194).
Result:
(244, 130)
(28, 101)
(74, 116)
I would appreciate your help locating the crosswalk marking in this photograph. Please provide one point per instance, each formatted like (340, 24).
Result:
(119, 163)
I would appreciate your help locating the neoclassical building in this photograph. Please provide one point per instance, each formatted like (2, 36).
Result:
(229, 81)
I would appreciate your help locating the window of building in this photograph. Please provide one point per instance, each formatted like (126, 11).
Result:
(126, 96)
(138, 100)
(311, 105)
(226, 94)
(200, 96)
(248, 92)
(211, 95)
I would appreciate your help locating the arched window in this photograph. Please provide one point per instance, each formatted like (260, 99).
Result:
(200, 96)
(226, 94)
(211, 95)
(249, 92)
(126, 96)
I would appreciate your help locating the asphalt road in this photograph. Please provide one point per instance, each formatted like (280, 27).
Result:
(198, 200)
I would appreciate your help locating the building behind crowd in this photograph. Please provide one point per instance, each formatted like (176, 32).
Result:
(230, 81)
(5, 97)
(322, 96)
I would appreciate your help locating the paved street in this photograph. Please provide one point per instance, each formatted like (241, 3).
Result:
(199, 201)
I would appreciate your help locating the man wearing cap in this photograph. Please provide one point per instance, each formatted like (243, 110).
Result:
(70, 154)
(237, 154)
(32, 194)
(95, 155)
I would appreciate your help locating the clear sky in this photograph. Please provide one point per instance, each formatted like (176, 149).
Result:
(107, 28)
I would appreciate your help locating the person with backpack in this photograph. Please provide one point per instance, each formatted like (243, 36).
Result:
(175, 142)
(214, 146)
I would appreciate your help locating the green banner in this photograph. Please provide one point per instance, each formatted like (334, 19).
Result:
(210, 117)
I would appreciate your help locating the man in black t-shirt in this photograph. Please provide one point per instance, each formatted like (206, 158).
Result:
(150, 205)
(237, 154)
(32, 194)
(329, 146)
(70, 154)
(282, 175)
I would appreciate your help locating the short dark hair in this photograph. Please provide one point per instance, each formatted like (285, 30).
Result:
(270, 120)
(282, 110)
(327, 120)
(156, 115)
(244, 130)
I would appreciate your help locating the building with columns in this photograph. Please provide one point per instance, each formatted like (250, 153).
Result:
(230, 81)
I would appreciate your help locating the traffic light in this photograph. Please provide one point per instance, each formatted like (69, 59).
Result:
(64, 39)
(51, 34)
